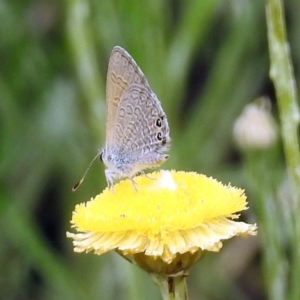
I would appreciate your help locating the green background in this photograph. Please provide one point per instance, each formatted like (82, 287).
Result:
(205, 60)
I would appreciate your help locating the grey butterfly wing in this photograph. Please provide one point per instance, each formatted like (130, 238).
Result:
(141, 126)
(122, 72)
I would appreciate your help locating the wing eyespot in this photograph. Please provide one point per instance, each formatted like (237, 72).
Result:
(159, 136)
(158, 122)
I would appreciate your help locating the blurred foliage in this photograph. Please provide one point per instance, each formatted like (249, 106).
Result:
(204, 59)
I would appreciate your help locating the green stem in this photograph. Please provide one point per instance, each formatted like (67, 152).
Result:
(171, 287)
(281, 72)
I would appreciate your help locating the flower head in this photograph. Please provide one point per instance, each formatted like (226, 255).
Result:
(255, 128)
(166, 224)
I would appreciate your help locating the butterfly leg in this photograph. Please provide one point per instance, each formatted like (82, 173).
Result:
(109, 179)
(147, 176)
(134, 184)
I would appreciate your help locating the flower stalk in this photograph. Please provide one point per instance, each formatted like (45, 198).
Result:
(281, 72)
(282, 75)
(171, 287)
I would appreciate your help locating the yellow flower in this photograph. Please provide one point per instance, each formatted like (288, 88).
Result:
(166, 224)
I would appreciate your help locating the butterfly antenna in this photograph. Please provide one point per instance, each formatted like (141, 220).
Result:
(78, 184)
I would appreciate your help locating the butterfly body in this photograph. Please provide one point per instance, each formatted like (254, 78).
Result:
(137, 130)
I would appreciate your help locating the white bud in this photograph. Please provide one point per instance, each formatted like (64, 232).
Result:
(255, 128)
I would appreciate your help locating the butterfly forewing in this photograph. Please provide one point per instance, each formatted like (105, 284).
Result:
(137, 130)
(122, 73)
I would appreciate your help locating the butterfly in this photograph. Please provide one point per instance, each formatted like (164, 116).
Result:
(137, 129)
